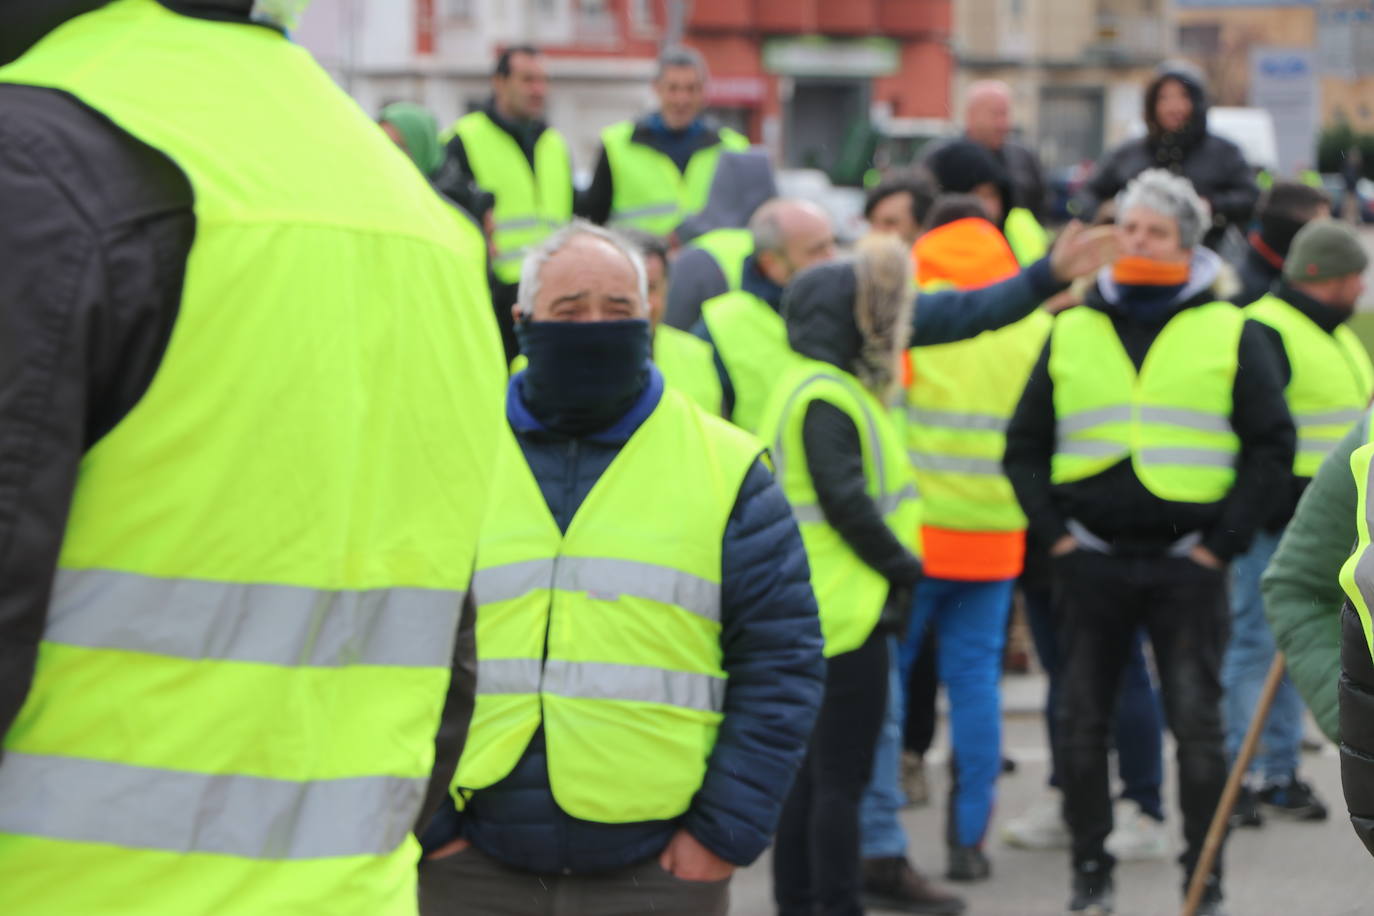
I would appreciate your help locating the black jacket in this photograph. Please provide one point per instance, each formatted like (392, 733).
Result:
(1115, 505)
(1357, 726)
(1257, 274)
(595, 203)
(771, 640)
(1022, 165)
(97, 230)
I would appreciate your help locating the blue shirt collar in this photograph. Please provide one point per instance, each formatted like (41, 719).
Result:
(754, 282)
(618, 433)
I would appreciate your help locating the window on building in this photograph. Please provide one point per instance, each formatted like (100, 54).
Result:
(460, 11)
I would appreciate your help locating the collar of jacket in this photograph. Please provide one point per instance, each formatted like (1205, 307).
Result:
(753, 281)
(532, 129)
(1265, 251)
(703, 132)
(1324, 316)
(618, 433)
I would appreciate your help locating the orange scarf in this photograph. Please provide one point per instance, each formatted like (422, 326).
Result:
(1136, 271)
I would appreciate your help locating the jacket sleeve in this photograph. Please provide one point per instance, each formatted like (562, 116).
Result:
(695, 278)
(1357, 726)
(771, 641)
(594, 204)
(95, 238)
(1233, 192)
(834, 457)
(1264, 475)
(957, 314)
(1030, 446)
(1302, 594)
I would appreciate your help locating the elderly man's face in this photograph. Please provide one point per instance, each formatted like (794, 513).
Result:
(987, 120)
(1144, 233)
(681, 96)
(588, 280)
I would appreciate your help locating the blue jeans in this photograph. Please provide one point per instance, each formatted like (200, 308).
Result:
(1248, 657)
(1138, 730)
(880, 829)
(970, 620)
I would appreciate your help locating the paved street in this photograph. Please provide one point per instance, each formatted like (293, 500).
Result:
(1284, 869)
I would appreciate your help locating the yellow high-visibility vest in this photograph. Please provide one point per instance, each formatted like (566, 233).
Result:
(1357, 575)
(648, 191)
(250, 634)
(531, 204)
(1331, 383)
(1028, 239)
(751, 339)
(1172, 419)
(608, 634)
(849, 592)
(729, 248)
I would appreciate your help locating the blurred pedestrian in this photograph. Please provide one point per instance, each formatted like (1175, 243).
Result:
(1283, 209)
(1352, 170)
(649, 658)
(412, 127)
(1147, 448)
(899, 205)
(717, 241)
(1357, 661)
(988, 123)
(248, 389)
(964, 167)
(1328, 381)
(657, 171)
(1177, 139)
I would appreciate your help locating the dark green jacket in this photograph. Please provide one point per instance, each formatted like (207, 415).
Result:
(1302, 594)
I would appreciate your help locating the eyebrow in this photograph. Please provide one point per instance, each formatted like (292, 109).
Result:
(569, 297)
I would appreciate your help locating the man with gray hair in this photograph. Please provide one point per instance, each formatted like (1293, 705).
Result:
(1148, 448)
(655, 172)
(649, 661)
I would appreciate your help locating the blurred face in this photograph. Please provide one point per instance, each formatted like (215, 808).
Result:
(588, 280)
(807, 240)
(658, 288)
(1143, 233)
(988, 118)
(390, 130)
(681, 96)
(892, 216)
(521, 96)
(1347, 292)
(991, 198)
(1173, 107)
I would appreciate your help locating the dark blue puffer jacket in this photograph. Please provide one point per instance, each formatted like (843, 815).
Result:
(772, 655)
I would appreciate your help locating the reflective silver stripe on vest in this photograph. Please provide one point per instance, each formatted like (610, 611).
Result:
(1086, 419)
(604, 681)
(1187, 418)
(1092, 448)
(963, 421)
(619, 216)
(528, 222)
(1321, 444)
(1199, 457)
(953, 464)
(809, 512)
(96, 801)
(508, 675)
(268, 624)
(601, 578)
(1348, 416)
(891, 502)
(506, 257)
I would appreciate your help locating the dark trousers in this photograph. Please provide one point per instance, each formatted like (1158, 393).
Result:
(1138, 729)
(816, 855)
(922, 688)
(472, 883)
(1100, 602)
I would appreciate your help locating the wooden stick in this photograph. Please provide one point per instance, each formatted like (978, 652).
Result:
(1217, 832)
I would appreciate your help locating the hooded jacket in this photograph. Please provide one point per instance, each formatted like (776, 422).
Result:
(98, 231)
(1115, 505)
(1214, 165)
(847, 314)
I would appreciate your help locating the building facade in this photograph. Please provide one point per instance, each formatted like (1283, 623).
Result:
(795, 75)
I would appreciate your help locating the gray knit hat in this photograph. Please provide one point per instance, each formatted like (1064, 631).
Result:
(1324, 250)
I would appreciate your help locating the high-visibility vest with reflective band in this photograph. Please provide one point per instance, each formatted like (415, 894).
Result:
(751, 339)
(531, 204)
(1172, 419)
(1357, 575)
(687, 364)
(850, 593)
(1331, 382)
(648, 191)
(1028, 239)
(250, 634)
(609, 634)
(729, 248)
(956, 415)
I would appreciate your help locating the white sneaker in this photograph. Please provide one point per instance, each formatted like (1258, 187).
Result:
(1040, 827)
(1138, 837)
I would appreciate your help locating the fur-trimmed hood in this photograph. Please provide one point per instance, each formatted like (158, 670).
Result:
(855, 313)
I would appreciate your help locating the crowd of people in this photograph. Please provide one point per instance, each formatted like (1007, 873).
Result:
(360, 512)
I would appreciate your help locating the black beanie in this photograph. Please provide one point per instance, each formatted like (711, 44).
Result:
(963, 165)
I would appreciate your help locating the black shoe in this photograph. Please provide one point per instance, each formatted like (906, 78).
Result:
(1246, 813)
(967, 863)
(1094, 894)
(1294, 801)
(891, 883)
